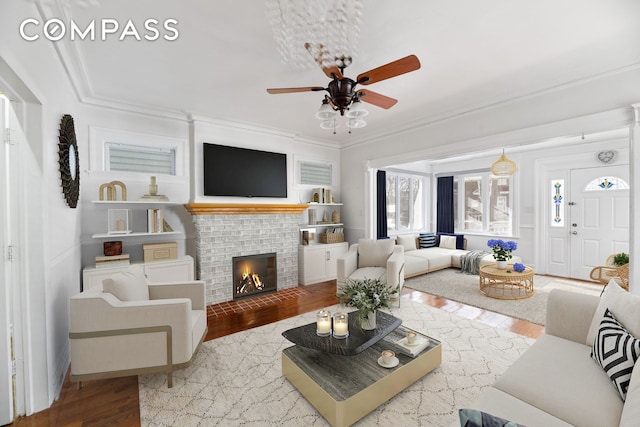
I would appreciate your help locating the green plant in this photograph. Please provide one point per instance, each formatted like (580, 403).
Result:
(367, 295)
(620, 259)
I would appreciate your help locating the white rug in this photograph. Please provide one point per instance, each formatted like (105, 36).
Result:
(452, 284)
(237, 380)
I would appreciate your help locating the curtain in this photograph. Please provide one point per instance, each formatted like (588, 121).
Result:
(444, 210)
(381, 204)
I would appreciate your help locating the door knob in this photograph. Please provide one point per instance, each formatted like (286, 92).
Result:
(574, 232)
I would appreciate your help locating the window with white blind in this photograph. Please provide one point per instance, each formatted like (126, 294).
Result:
(312, 173)
(133, 158)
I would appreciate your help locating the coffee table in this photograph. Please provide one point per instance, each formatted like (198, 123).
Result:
(346, 388)
(506, 284)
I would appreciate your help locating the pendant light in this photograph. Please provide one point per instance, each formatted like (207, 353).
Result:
(504, 166)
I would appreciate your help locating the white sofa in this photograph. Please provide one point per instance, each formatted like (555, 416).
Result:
(556, 382)
(135, 328)
(424, 260)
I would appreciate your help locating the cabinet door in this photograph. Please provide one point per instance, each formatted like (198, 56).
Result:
(175, 271)
(312, 268)
(92, 277)
(333, 253)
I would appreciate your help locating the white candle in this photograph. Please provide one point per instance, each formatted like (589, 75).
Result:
(340, 329)
(324, 326)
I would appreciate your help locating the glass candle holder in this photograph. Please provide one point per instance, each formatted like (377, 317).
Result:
(340, 325)
(323, 323)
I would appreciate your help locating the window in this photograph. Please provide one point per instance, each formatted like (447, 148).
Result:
(557, 207)
(316, 173)
(607, 183)
(483, 203)
(132, 158)
(405, 202)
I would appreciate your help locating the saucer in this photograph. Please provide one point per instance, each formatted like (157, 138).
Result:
(393, 363)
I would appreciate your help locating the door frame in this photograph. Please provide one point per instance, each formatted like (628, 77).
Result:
(551, 168)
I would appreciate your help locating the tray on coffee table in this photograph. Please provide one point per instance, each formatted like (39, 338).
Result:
(357, 341)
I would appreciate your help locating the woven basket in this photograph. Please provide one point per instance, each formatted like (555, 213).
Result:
(331, 237)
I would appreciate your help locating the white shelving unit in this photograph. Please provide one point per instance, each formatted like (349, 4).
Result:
(317, 262)
(133, 204)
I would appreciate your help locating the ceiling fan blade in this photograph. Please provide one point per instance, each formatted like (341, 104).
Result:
(328, 71)
(377, 99)
(392, 69)
(295, 89)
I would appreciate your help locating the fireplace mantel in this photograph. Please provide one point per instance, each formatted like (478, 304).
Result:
(243, 208)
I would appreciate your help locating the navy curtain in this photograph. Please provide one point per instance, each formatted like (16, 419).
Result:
(381, 204)
(444, 210)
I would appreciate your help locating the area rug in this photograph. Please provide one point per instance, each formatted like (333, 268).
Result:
(452, 284)
(237, 380)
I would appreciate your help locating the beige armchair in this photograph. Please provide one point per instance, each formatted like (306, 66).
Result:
(372, 259)
(133, 328)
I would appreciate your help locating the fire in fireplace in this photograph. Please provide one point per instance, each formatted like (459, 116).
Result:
(254, 274)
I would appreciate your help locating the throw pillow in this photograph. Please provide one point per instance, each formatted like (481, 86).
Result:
(374, 253)
(127, 286)
(407, 242)
(616, 351)
(427, 240)
(448, 242)
(475, 418)
(624, 305)
(459, 239)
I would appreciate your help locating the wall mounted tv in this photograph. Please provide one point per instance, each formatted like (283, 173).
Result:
(241, 172)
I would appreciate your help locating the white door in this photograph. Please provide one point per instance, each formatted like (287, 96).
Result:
(598, 217)
(6, 387)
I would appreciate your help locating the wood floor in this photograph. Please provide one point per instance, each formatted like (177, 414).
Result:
(115, 402)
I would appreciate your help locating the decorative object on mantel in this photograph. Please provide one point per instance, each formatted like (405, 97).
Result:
(111, 189)
(68, 161)
(606, 156)
(312, 216)
(367, 296)
(153, 192)
(504, 166)
(502, 251)
(335, 217)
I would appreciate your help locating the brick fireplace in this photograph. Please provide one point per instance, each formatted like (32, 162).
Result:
(225, 231)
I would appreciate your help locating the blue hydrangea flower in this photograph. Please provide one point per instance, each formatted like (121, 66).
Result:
(518, 267)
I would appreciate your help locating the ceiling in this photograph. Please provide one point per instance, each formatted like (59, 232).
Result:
(473, 53)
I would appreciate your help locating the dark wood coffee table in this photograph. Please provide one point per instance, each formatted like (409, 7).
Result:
(346, 388)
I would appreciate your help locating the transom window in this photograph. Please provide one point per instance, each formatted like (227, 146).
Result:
(134, 158)
(606, 183)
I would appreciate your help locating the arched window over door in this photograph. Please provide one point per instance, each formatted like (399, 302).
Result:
(606, 183)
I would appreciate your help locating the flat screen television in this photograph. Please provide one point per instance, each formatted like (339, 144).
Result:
(242, 172)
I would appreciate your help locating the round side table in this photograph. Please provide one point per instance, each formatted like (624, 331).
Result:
(506, 284)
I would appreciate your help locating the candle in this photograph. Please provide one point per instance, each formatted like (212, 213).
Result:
(340, 325)
(323, 323)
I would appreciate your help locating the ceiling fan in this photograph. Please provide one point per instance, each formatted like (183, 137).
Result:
(342, 92)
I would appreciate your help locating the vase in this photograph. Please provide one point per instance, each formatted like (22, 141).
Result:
(369, 322)
(501, 265)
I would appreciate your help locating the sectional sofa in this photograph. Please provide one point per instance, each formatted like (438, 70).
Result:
(558, 381)
(446, 253)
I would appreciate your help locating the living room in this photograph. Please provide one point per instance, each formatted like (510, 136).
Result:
(578, 108)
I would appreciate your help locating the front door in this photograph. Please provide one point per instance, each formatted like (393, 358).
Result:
(598, 217)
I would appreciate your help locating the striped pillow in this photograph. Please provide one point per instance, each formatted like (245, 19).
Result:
(616, 351)
(427, 240)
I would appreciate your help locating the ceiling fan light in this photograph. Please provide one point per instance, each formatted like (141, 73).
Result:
(325, 112)
(356, 110)
(504, 166)
(330, 124)
(355, 123)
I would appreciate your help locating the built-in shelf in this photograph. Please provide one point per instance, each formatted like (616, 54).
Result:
(320, 225)
(324, 204)
(134, 234)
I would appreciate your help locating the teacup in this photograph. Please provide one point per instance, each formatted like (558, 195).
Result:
(412, 338)
(387, 357)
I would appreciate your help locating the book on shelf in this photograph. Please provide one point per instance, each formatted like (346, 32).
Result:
(155, 221)
(112, 260)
